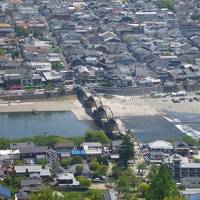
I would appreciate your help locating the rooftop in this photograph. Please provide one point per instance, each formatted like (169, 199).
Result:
(160, 144)
(190, 165)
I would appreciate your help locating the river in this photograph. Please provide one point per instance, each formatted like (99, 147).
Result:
(144, 128)
(26, 124)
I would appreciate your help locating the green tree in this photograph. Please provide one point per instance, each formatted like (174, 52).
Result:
(12, 182)
(65, 162)
(4, 143)
(55, 49)
(190, 140)
(84, 181)
(127, 182)
(79, 170)
(143, 188)
(2, 52)
(126, 152)
(162, 185)
(103, 170)
(18, 162)
(21, 31)
(36, 32)
(153, 171)
(76, 160)
(15, 54)
(47, 194)
(102, 160)
(166, 4)
(96, 136)
(122, 183)
(141, 167)
(116, 171)
(94, 165)
(42, 162)
(62, 90)
(57, 65)
(49, 140)
(195, 16)
(174, 198)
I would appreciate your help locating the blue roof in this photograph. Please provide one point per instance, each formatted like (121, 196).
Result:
(77, 152)
(5, 192)
(194, 197)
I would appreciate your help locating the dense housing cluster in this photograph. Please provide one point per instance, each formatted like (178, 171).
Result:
(153, 45)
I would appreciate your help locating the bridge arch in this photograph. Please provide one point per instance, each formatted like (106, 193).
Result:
(104, 113)
(117, 126)
(94, 101)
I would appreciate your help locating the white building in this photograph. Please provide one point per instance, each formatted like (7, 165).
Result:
(66, 179)
(161, 146)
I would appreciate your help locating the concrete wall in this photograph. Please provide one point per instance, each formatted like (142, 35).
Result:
(191, 182)
(126, 91)
(33, 96)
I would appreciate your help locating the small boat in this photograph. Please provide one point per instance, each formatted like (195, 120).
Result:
(34, 112)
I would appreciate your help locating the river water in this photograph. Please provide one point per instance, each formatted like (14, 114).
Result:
(173, 126)
(26, 124)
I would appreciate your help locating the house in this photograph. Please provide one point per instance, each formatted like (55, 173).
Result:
(190, 175)
(157, 157)
(83, 73)
(146, 15)
(13, 78)
(6, 29)
(77, 152)
(15, 146)
(5, 193)
(21, 195)
(173, 163)
(191, 193)
(86, 169)
(92, 149)
(115, 146)
(52, 155)
(161, 146)
(52, 77)
(30, 185)
(31, 169)
(6, 155)
(67, 76)
(64, 149)
(181, 148)
(66, 179)
(32, 152)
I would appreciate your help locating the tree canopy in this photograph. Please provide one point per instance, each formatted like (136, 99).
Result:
(174, 198)
(162, 186)
(2, 52)
(166, 4)
(57, 65)
(190, 140)
(126, 152)
(21, 31)
(96, 136)
(195, 16)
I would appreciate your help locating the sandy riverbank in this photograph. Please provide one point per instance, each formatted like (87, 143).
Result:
(65, 104)
(120, 106)
(146, 106)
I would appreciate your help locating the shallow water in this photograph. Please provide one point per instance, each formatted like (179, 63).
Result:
(172, 126)
(145, 128)
(26, 124)
(150, 128)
